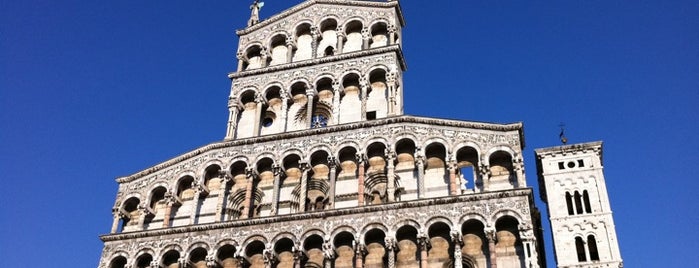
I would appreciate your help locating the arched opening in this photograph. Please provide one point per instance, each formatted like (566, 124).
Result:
(436, 175)
(197, 258)
(379, 35)
(376, 249)
(318, 185)
(254, 58)
(569, 204)
(467, 163)
(170, 259)
(289, 192)
(299, 107)
(578, 203)
(406, 172)
(253, 252)
(586, 200)
(236, 192)
(246, 123)
(580, 249)
(226, 255)
(501, 171)
(279, 50)
(343, 247)
(475, 243)
(350, 103)
(304, 40)
(377, 98)
(328, 37)
(157, 207)
(509, 247)
(376, 182)
(275, 106)
(129, 221)
(592, 247)
(323, 106)
(353, 31)
(118, 262)
(347, 176)
(408, 251)
(441, 252)
(313, 245)
(144, 261)
(213, 179)
(264, 180)
(284, 248)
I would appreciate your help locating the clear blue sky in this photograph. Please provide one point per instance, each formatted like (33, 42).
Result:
(92, 90)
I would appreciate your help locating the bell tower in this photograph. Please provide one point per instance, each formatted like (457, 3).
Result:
(572, 184)
(318, 64)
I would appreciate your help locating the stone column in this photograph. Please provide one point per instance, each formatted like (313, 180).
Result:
(144, 212)
(391, 247)
(225, 180)
(298, 256)
(285, 110)
(117, 217)
(250, 173)
(391, 175)
(423, 242)
(277, 170)
(391, 34)
(264, 55)
(491, 235)
(315, 34)
(391, 78)
(212, 262)
(233, 110)
(366, 36)
(258, 114)
(268, 256)
(359, 252)
(241, 60)
(336, 102)
(518, 165)
(328, 254)
(529, 243)
(332, 163)
(303, 191)
(484, 172)
(171, 201)
(364, 84)
(198, 189)
(458, 243)
(420, 163)
(340, 32)
(453, 183)
(309, 109)
(361, 160)
(290, 44)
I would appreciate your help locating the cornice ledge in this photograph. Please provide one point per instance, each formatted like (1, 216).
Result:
(568, 149)
(308, 3)
(495, 195)
(344, 56)
(331, 129)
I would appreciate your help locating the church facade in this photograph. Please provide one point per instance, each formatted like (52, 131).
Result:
(319, 166)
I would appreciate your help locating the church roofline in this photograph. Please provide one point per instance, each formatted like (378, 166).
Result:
(310, 62)
(309, 3)
(569, 149)
(518, 126)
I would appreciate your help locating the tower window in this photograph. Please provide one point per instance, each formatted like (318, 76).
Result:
(586, 200)
(581, 163)
(571, 164)
(371, 115)
(580, 249)
(592, 245)
(578, 203)
(319, 121)
(569, 203)
(561, 166)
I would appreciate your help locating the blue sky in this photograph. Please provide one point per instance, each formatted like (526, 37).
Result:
(93, 90)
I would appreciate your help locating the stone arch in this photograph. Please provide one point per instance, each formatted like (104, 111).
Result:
(374, 238)
(376, 182)
(144, 257)
(468, 164)
(436, 140)
(474, 216)
(247, 95)
(378, 30)
(377, 94)
(507, 212)
(132, 213)
(284, 235)
(475, 243)
(253, 251)
(253, 238)
(439, 232)
(343, 239)
(226, 252)
(271, 86)
(509, 247)
(118, 260)
(342, 228)
(277, 47)
(198, 244)
(495, 149)
(405, 222)
(328, 42)
(375, 225)
(196, 255)
(369, 141)
(436, 176)
(502, 171)
(312, 232)
(304, 40)
(407, 245)
(353, 28)
(285, 249)
(157, 204)
(253, 56)
(344, 145)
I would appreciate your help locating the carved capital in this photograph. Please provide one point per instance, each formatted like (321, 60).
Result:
(457, 238)
(391, 244)
(290, 42)
(392, 28)
(328, 250)
(491, 234)
(240, 55)
(423, 241)
(361, 158)
(360, 249)
(332, 161)
(250, 172)
(276, 169)
(268, 254)
(303, 165)
(366, 34)
(211, 261)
